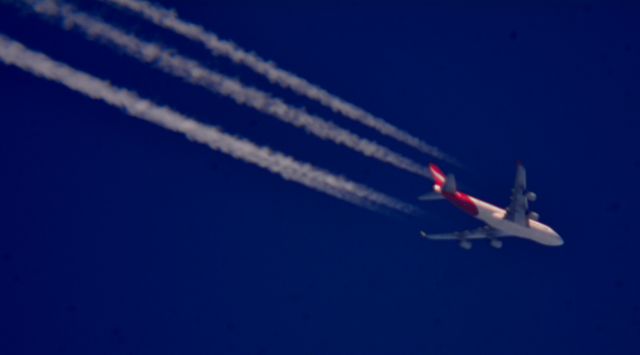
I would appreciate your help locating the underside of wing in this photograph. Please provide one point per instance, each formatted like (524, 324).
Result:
(479, 233)
(447, 236)
(465, 237)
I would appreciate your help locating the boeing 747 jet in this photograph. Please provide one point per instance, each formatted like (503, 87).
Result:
(514, 221)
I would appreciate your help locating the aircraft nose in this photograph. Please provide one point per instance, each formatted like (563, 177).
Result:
(559, 240)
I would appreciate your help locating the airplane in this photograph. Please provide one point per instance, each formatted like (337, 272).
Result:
(514, 221)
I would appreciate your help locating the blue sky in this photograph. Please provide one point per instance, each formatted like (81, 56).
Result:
(119, 237)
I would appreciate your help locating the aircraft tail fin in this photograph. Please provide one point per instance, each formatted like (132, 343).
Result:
(437, 175)
(447, 183)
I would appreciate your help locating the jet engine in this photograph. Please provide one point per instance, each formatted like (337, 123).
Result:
(534, 216)
(531, 196)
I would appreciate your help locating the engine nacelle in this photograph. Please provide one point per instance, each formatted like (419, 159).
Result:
(465, 244)
(531, 196)
(496, 243)
(534, 216)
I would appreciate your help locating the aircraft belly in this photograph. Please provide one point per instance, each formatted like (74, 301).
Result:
(494, 217)
(518, 230)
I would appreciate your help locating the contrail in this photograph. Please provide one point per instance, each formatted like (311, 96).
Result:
(194, 73)
(168, 19)
(14, 53)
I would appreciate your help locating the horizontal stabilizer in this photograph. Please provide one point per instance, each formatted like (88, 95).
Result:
(431, 196)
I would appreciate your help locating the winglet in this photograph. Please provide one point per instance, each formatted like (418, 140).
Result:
(437, 175)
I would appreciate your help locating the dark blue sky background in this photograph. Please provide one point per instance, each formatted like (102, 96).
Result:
(118, 237)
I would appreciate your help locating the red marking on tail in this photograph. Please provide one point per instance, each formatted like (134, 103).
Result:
(438, 176)
(457, 198)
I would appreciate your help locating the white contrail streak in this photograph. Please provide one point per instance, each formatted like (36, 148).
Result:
(168, 19)
(194, 73)
(14, 53)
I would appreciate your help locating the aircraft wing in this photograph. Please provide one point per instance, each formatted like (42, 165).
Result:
(470, 234)
(519, 206)
(465, 237)
(431, 196)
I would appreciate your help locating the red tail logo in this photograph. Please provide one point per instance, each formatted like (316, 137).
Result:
(437, 175)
